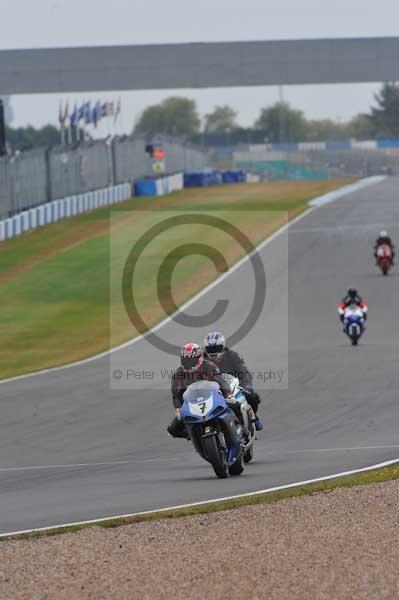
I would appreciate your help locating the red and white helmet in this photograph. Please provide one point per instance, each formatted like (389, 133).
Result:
(191, 357)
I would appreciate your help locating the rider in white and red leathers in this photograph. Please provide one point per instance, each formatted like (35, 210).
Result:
(382, 239)
(352, 297)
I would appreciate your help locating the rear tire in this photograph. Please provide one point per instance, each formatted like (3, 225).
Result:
(216, 456)
(236, 468)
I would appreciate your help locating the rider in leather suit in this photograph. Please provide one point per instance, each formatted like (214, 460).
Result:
(229, 361)
(194, 367)
(352, 297)
(384, 238)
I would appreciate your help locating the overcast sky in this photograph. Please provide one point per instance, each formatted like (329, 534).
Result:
(49, 23)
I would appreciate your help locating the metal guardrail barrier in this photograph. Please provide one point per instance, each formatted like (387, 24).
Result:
(33, 177)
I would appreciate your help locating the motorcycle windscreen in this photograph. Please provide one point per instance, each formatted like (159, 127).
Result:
(201, 398)
(200, 390)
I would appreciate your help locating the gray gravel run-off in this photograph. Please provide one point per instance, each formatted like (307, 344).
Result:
(340, 545)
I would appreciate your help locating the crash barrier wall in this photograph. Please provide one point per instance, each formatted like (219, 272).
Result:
(283, 170)
(77, 170)
(57, 210)
(328, 145)
(23, 181)
(232, 176)
(206, 177)
(165, 185)
(50, 212)
(159, 186)
(354, 163)
(270, 152)
(202, 178)
(253, 178)
(320, 164)
(33, 177)
(131, 161)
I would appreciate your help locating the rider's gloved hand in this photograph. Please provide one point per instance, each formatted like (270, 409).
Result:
(254, 401)
(178, 414)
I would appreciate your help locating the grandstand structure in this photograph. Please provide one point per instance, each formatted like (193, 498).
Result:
(313, 160)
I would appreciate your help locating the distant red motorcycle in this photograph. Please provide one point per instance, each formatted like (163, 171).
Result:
(384, 258)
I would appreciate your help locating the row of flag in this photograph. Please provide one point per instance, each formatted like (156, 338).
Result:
(88, 113)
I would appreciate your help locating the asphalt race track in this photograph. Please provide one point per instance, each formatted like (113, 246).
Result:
(72, 449)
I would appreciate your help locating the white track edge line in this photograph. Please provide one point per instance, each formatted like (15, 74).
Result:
(202, 502)
(334, 195)
(69, 466)
(345, 190)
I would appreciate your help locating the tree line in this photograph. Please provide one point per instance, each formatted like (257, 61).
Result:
(277, 123)
(24, 138)
(179, 116)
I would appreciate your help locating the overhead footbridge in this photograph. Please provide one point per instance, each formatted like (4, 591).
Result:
(199, 65)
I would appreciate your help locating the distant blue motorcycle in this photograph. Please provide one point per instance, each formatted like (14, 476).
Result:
(214, 429)
(354, 323)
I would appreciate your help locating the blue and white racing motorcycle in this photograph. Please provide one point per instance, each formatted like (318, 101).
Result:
(245, 414)
(214, 429)
(354, 323)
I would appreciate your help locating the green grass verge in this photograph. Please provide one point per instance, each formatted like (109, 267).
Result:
(389, 473)
(56, 281)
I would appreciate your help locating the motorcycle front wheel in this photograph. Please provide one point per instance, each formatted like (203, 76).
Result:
(216, 456)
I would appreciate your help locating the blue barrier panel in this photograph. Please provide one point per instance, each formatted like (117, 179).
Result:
(145, 187)
(387, 143)
(194, 179)
(202, 178)
(234, 176)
